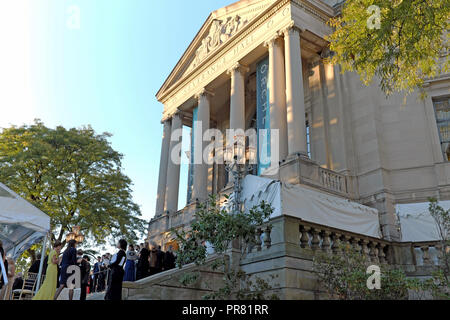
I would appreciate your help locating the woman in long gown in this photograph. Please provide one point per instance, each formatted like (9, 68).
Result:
(48, 288)
(114, 291)
(143, 263)
(69, 258)
(130, 269)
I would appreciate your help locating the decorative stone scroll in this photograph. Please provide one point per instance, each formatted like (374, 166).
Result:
(219, 33)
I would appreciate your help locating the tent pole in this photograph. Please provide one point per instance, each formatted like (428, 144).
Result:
(44, 248)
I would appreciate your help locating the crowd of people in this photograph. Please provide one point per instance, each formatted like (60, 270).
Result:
(130, 263)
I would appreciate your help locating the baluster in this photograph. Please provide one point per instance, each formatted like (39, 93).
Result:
(335, 248)
(381, 254)
(315, 241)
(426, 255)
(267, 238)
(258, 241)
(372, 254)
(304, 239)
(326, 242)
(346, 241)
(440, 253)
(355, 243)
(364, 248)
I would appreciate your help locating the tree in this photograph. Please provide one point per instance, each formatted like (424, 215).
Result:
(402, 42)
(344, 276)
(439, 283)
(74, 176)
(216, 226)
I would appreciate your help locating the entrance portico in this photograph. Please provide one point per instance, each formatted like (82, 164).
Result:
(224, 57)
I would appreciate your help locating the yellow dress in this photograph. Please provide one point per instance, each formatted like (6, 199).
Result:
(48, 288)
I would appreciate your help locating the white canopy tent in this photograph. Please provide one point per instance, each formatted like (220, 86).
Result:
(21, 225)
(311, 205)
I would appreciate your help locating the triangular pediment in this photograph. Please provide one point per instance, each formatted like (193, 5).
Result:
(221, 26)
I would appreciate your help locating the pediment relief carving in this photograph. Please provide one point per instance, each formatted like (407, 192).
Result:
(219, 33)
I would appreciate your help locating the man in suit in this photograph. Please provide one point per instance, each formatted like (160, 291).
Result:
(96, 271)
(85, 267)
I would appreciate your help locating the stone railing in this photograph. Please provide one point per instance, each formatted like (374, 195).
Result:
(321, 238)
(305, 171)
(307, 239)
(262, 240)
(333, 181)
(427, 254)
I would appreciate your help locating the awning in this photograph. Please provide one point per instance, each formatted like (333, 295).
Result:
(21, 224)
(311, 205)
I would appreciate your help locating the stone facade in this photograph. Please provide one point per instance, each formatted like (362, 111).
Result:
(336, 134)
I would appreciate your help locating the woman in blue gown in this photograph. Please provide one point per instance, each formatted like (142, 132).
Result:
(130, 269)
(69, 258)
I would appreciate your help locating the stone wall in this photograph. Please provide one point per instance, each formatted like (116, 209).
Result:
(167, 285)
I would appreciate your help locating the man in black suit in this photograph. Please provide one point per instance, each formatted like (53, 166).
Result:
(114, 291)
(37, 263)
(85, 267)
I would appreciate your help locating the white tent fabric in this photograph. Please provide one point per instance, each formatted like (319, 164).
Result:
(311, 205)
(416, 223)
(21, 224)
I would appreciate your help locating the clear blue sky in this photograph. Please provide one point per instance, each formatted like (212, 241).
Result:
(106, 73)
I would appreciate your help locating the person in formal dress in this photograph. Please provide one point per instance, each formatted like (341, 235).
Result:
(143, 263)
(18, 281)
(153, 260)
(96, 273)
(85, 267)
(69, 259)
(34, 268)
(116, 266)
(48, 289)
(130, 271)
(160, 259)
(169, 259)
(101, 285)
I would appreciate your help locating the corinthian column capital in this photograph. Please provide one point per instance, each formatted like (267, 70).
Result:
(239, 67)
(204, 93)
(270, 43)
(291, 29)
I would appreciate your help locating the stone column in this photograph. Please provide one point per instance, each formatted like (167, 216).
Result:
(237, 96)
(295, 96)
(160, 198)
(277, 95)
(237, 102)
(200, 189)
(173, 166)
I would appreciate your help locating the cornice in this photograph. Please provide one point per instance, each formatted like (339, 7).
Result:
(245, 31)
(166, 93)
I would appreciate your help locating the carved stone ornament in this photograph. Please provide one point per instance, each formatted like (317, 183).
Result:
(219, 33)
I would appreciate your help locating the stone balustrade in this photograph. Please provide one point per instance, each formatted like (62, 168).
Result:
(304, 171)
(321, 238)
(427, 254)
(309, 238)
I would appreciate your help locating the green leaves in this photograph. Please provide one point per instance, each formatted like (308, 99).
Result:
(219, 228)
(74, 176)
(408, 45)
(344, 277)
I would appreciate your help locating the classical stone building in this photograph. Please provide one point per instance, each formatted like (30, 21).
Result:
(258, 60)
